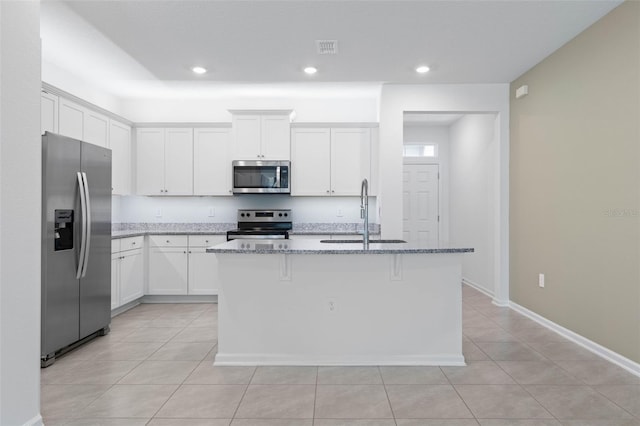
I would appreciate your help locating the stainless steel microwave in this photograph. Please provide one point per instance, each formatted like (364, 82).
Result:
(261, 177)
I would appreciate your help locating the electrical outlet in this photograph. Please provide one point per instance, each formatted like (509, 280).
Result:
(159, 212)
(332, 305)
(212, 212)
(541, 280)
(339, 213)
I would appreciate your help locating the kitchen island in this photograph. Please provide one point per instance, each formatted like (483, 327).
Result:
(304, 302)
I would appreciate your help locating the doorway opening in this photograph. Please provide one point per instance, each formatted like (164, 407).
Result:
(451, 187)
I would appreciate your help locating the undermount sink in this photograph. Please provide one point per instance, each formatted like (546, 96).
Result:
(360, 241)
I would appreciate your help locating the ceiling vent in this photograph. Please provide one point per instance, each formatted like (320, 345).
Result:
(327, 47)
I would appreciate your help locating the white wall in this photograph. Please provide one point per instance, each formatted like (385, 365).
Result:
(472, 190)
(359, 108)
(77, 86)
(439, 135)
(134, 209)
(20, 205)
(397, 99)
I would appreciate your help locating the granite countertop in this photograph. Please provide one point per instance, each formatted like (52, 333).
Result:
(316, 247)
(124, 230)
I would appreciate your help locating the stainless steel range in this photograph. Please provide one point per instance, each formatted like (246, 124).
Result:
(262, 224)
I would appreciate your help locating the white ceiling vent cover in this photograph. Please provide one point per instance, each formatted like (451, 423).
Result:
(327, 47)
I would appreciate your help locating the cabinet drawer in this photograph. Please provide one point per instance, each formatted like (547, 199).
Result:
(168, 240)
(206, 240)
(115, 246)
(131, 243)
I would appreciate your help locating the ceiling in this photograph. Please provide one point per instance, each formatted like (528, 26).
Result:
(135, 48)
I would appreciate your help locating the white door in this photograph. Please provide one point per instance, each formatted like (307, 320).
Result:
(420, 202)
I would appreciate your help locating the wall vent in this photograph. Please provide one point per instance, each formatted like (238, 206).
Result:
(327, 47)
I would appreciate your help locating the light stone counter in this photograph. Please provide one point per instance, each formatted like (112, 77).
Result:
(315, 246)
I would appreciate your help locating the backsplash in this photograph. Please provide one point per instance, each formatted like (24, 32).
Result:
(326, 210)
(217, 228)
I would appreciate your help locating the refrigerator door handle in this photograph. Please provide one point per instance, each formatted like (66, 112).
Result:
(83, 233)
(85, 263)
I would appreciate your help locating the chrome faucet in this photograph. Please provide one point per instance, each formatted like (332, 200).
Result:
(364, 210)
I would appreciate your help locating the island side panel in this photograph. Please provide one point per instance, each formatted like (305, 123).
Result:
(275, 310)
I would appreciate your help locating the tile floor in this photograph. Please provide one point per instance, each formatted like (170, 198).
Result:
(155, 368)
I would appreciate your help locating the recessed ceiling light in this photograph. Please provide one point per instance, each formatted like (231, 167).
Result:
(422, 69)
(311, 70)
(199, 70)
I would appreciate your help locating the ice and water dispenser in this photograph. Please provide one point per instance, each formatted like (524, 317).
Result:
(63, 230)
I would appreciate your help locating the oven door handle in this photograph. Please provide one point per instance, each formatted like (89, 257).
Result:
(255, 237)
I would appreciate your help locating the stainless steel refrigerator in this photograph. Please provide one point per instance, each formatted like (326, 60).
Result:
(76, 243)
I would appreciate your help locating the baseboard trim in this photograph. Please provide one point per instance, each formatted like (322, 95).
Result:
(222, 359)
(605, 353)
(477, 286)
(124, 308)
(36, 421)
(180, 299)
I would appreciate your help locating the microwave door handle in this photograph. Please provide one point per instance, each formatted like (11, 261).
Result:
(277, 177)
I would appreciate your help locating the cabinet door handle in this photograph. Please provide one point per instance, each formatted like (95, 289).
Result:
(332, 191)
(134, 243)
(168, 241)
(327, 191)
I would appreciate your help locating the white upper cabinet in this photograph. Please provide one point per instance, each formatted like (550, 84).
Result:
(164, 161)
(78, 122)
(275, 142)
(48, 112)
(71, 119)
(247, 134)
(261, 136)
(311, 162)
(330, 161)
(96, 128)
(178, 162)
(212, 161)
(150, 161)
(350, 160)
(120, 144)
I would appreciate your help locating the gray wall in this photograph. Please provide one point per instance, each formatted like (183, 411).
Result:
(575, 184)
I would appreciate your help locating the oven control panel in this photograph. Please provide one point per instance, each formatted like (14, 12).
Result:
(281, 215)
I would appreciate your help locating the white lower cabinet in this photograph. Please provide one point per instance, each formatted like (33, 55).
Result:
(179, 265)
(127, 270)
(168, 264)
(203, 266)
(131, 276)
